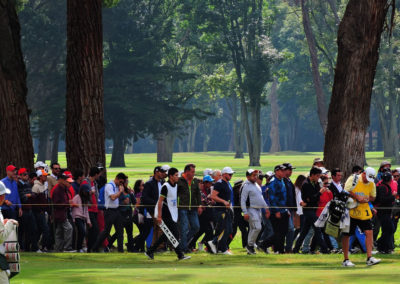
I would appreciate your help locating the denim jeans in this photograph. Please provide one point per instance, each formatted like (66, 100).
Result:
(188, 225)
(290, 234)
(42, 229)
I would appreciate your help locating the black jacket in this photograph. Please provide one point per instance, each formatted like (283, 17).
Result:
(384, 198)
(310, 195)
(188, 199)
(150, 196)
(290, 194)
(334, 190)
(24, 189)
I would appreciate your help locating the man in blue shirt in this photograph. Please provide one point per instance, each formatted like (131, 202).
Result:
(279, 213)
(11, 208)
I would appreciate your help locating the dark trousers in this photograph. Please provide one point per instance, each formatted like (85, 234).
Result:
(111, 217)
(385, 241)
(173, 227)
(309, 219)
(223, 229)
(238, 221)
(93, 232)
(28, 230)
(206, 228)
(127, 224)
(138, 241)
(80, 225)
(280, 226)
(42, 229)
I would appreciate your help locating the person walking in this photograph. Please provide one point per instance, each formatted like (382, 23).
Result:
(189, 198)
(112, 191)
(362, 189)
(166, 213)
(223, 196)
(251, 202)
(12, 203)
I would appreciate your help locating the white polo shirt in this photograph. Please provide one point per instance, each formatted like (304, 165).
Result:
(109, 189)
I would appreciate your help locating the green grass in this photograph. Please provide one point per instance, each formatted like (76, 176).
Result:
(205, 268)
(202, 268)
(142, 165)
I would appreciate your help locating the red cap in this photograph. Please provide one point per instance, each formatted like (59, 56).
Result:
(22, 170)
(10, 168)
(68, 174)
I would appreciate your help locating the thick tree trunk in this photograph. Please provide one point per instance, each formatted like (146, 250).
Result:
(348, 117)
(255, 113)
(274, 132)
(165, 147)
(237, 134)
(85, 116)
(43, 142)
(118, 153)
(16, 145)
(321, 104)
(54, 148)
(206, 138)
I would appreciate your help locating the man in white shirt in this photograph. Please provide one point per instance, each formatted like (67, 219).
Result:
(112, 216)
(336, 187)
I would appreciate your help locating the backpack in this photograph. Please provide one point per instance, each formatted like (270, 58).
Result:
(102, 199)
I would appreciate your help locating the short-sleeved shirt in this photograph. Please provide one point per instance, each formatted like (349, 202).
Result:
(363, 210)
(224, 192)
(110, 189)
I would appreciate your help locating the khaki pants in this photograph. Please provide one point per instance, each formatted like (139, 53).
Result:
(4, 277)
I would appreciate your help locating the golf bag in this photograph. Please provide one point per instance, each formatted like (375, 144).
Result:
(337, 208)
(12, 252)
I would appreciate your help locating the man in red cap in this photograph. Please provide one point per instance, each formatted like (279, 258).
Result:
(11, 208)
(28, 229)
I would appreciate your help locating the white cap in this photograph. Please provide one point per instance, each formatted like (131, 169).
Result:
(251, 171)
(165, 168)
(207, 172)
(370, 174)
(324, 171)
(227, 170)
(39, 164)
(270, 173)
(4, 189)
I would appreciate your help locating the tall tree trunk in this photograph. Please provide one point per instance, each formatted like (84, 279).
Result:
(85, 116)
(321, 104)
(237, 134)
(332, 4)
(255, 113)
(54, 148)
(206, 138)
(348, 117)
(274, 132)
(165, 147)
(49, 148)
(193, 136)
(16, 145)
(43, 142)
(118, 153)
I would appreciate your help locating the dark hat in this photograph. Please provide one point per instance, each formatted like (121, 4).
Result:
(288, 166)
(279, 167)
(85, 187)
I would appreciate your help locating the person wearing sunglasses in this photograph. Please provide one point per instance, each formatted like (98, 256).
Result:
(363, 191)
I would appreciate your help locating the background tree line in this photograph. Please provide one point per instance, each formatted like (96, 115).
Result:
(195, 75)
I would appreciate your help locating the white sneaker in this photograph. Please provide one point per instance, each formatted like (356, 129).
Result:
(348, 263)
(200, 246)
(372, 261)
(212, 246)
(81, 251)
(227, 252)
(38, 251)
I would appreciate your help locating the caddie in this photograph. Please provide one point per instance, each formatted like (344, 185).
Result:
(6, 228)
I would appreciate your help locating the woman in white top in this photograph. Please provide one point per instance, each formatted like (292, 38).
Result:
(298, 217)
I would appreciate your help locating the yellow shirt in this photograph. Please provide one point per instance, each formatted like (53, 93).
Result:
(362, 211)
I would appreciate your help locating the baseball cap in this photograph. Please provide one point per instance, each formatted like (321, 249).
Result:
(85, 187)
(160, 169)
(10, 168)
(165, 168)
(4, 189)
(279, 167)
(22, 170)
(41, 173)
(370, 174)
(249, 172)
(67, 176)
(318, 160)
(207, 172)
(288, 166)
(40, 164)
(269, 173)
(227, 170)
(385, 163)
(208, 178)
